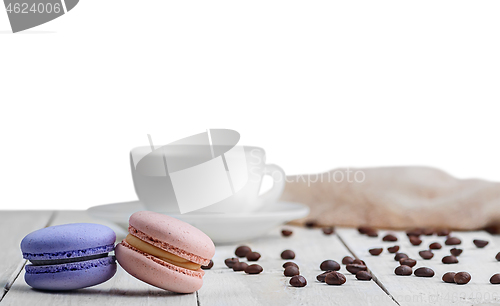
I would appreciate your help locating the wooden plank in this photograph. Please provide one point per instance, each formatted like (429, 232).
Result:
(222, 286)
(15, 225)
(412, 290)
(122, 289)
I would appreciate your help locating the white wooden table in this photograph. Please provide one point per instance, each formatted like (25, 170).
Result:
(222, 286)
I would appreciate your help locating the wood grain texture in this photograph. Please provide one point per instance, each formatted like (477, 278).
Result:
(224, 287)
(122, 289)
(412, 290)
(15, 225)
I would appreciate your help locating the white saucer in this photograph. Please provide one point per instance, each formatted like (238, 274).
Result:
(222, 228)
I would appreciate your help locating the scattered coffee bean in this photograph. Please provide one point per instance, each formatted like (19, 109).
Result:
(209, 266)
(286, 233)
(287, 254)
(322, 276)
(291, 271)
(456, 252)
(453, 241)
(449, 277)
(390, 237)
(428, 232)
(348, 260)
(328, 230)
(393, 249)
(298, 281)
(311, 223)
(376, 251)
(480, 243)
(497, 257)
(462, 278)
(403, 270)
(335, 278)
(408, 262)
(424, 272)
(242, 251)
(289, 263)
(253, 256)
(443, 232)
(329, 265)
(414, 232)
(414, 240)
(372, 234)
(253, 269)
(398, 256)
(355, 268)
(495, 279)
(450, 259)
(358, 262)
(231, 261)
(435, 246)
(240, 266)
(364, 229)
(426, 254)
(364, 275)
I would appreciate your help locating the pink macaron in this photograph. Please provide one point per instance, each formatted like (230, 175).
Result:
(165, 252)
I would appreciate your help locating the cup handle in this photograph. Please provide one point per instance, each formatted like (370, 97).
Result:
(278, 176)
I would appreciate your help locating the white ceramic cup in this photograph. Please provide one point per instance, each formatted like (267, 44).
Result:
(157, 193)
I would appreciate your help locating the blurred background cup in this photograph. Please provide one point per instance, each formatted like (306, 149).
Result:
(155, 187)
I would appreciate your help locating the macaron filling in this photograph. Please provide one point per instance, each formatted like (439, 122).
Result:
(161, 254)
(67, 257)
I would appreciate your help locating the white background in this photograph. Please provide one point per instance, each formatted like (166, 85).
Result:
(318, 84)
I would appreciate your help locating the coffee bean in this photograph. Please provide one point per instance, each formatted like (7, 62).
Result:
(355, 268)
(373, 233)
(286, 233)
(358, 262)
(426, 254)
(403, 270)
(414, 240)
(364, 229)
(253, 256)
(242, 251)
(450, 259)
(495, 279)
(348, 260)
(414, 232)
(390, 237)
(322, 276)
(209, 266)
(290, 264)
(393, 249)
(240, 266)
(424, 272)
(335, 278)
(443, 232)
(435, 246)
(376, 251)
(456, 252)
(311, 223)
(453, 241)
(298, 281)
(408, 262)
(253, 269)
(287, 254)
(480, 243)
(364, 275)
(329, 265)
(462, 278)
(291, 271)
(428, 232)
(328, 230)
(449, 277)
(231, 261)
(497, 257)
(398, 256)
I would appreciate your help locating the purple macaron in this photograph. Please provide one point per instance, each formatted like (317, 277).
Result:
(70, 256)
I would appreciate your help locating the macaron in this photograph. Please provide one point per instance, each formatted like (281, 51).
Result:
(165, 252)
(70, 256)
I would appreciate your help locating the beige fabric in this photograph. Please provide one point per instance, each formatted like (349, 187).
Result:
(397, 197)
